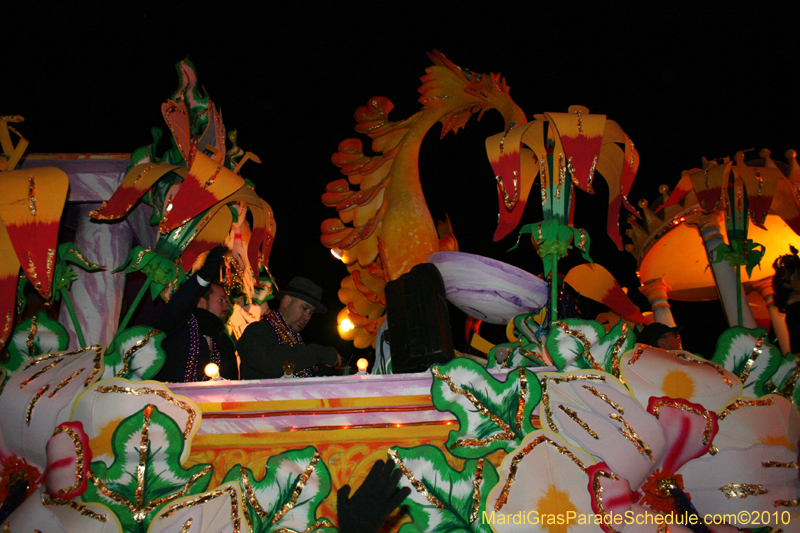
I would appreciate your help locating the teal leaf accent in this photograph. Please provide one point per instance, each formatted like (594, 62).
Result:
(492, 414)
(443, 499)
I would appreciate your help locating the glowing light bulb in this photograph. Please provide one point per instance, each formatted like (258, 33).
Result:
(211, 370)
(337, 253)
(346, 325)
(362, 365)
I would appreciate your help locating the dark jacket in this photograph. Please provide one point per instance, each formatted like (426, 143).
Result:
(174, 321)
(262, 354)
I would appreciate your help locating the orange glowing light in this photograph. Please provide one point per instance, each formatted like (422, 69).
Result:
(346, 325)
(362, 365)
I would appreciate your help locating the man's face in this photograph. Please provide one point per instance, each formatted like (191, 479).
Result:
(670, 341)
(216, 303)
(296, 312)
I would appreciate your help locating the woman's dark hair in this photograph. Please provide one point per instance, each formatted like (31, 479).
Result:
(786, 267)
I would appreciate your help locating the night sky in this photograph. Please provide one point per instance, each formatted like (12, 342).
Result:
(682, 84)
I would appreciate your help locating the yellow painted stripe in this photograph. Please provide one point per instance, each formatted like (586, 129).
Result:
(402, 436)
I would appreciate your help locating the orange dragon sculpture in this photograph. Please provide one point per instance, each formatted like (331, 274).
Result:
(384, 227)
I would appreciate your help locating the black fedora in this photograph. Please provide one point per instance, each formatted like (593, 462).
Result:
(306, 290)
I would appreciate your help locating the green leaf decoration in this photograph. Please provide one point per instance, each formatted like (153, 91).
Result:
(784, 379)
(746, 353)
(553, 238)
(160, 270)
(575, 344)
(63, 274)
(32, 337)
(443, 499)
(492, 414)
(145, 474)
(135, 354)
(740, 252)
(287, 498)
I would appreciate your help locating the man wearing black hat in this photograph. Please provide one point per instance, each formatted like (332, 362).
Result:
(661, 336)
(266, 345)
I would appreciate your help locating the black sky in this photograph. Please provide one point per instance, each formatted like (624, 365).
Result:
(682, 83)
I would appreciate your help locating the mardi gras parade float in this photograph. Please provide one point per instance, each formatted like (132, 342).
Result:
(570, 424)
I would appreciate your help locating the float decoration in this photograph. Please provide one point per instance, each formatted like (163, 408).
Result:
(136, 354)
(443, 499)
(160, 480)
(29, 220)
(492, 415)
(385, 228)
(32, 337)
(575, 344)
(64, 276)
(565, 150)
(288, 496)
(746, 353)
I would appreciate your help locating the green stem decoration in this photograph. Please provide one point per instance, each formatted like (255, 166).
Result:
(133, 307)
(739, 294)
(553, 288)
(73, 316)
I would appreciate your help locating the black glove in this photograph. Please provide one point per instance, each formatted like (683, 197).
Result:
(374, 500)
(210, 269)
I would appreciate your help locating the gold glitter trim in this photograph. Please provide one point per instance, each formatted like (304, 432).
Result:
(523, 394)
(66, 381)
(686, 408)
(250, 495)
(580, 337)
(417, 484)
(757, 349)
(210, 180)
(742, 490)
(6, 330)
(719, 369)
(139, 258)
(82, 509)
(299, 486)
(32, 404)
(512, 470)
(574, 416)
(562, 379)
(32, 335)
(39, 373)
(630, 434)
(187, 525)
(786, 503)
(778, 464)
(79, 457)
(598, 493)
(192, 415)
(508, 434)
(615, 351)
(618, 408)
(738, 404)
(476, 491)
(135, 348)
(637, 354)
(31, 270)
(31, 195)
